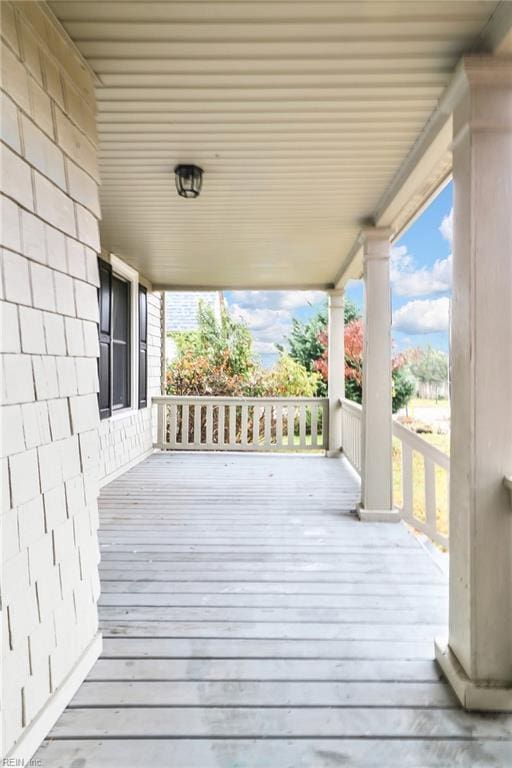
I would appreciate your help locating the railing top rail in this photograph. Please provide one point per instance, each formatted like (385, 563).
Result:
(220, 400)
(416, 442)
(351, 405)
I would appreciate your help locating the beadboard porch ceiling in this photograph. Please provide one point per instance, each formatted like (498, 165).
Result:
(300, 113)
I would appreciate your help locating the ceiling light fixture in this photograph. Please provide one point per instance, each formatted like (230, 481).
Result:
(189, 180)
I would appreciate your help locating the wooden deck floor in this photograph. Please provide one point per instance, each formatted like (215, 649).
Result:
(249, 621)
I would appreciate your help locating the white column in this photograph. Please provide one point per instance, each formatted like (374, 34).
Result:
(376, 491)
(336, 375)
(477, 659)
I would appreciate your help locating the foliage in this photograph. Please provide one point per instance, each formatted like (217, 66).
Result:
(217, 360)
(304, 342)
(225, 342)
(403, 383)
(195, 375)
(429, 365)
(404, 386)
(289, 378)
(307, 341)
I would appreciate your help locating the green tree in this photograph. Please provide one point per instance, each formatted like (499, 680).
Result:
(225, 342)
(288, 378)
(404, 387)
(430, 366)
(217, 359)
(306, 340)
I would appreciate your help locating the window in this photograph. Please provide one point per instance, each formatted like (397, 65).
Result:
(120, 343)
(143, 347)
(116, 361)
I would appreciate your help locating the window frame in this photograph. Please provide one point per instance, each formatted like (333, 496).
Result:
(119, 269)
(128, 343)
(142, 347)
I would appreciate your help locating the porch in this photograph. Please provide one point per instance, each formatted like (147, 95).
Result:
(248, 618)
(323, 130)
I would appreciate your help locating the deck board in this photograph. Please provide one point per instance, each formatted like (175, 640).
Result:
(249, 619)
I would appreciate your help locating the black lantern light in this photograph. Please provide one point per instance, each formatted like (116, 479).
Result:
(189, 180)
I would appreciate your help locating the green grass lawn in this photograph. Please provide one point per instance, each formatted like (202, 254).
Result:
(419, 402)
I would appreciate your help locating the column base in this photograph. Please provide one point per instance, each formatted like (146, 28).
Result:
(471, 695)
(377, 515)
(333, 454)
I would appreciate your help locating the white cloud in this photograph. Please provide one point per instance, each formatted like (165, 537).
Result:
(268, 314)
(409, 281)
(288, 300)
(268, 326)
(423, 316)
(446, 228)
(265, 347)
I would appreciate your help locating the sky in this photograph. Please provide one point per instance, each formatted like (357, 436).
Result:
(421, 290)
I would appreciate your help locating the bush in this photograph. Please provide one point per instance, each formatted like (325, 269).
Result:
(404, 387)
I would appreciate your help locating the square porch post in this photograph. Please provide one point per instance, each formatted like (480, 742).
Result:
(376, 478)
(477, 659)
(336, 371)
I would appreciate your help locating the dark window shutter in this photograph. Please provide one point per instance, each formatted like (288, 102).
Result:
(105, 338)
(143, 347)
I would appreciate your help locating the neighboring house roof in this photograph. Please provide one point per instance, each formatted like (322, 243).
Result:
(181, 308)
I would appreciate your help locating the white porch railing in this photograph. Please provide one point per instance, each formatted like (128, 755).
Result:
(351, 430)
(417, 496)
(242, 424)
(423, 513)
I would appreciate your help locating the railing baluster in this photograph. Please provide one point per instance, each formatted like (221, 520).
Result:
(232, 426)
(407, 481)
(291, 424)
(314, 426)
(267, 420)
(220, 426)
(279, 425)
(245, 424)
(197, 424)
(172, 412)
(256, 426)
(209, 425)
(430, 495)
(185, 424)
(302, 425)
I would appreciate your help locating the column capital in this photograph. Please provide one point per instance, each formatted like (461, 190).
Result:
(376, 242)
(375, 233)
(477, 70)
(480, 95)
(336, 297)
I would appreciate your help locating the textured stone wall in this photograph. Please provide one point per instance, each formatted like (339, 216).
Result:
(49, 339)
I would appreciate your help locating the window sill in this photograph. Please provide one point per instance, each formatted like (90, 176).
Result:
(122, 413)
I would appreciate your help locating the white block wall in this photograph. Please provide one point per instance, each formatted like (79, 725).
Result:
(49, 343)
(127, 437)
